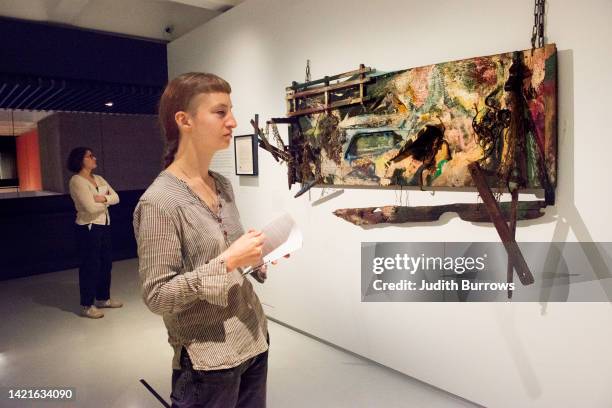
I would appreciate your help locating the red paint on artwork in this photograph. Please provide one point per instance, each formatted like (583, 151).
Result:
(485, 71)
(537, 109)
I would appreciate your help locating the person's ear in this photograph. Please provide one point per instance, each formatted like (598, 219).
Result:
(183, 121)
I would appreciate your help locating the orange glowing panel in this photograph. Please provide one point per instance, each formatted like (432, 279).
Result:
(28, 161)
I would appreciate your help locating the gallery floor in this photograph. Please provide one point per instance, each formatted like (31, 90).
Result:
(44, 343)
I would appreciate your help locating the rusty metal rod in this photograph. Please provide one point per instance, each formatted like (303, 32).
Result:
(512, 248)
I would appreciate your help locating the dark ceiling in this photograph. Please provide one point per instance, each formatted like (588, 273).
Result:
(49, 67)
(39, 93)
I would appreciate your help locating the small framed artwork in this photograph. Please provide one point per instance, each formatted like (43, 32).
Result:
(245, 152)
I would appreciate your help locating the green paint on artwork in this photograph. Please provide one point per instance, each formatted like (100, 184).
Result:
(439, 169)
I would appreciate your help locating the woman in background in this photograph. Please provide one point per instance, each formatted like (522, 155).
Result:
(92, 196)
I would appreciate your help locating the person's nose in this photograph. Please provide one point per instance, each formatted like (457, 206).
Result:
(231, 121)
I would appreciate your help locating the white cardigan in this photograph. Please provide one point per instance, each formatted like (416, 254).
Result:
(88, 210)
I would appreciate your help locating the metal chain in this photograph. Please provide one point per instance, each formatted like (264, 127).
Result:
(537, 34)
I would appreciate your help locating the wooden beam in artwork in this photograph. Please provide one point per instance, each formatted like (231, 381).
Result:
(512, 248)
(274, 151)
(333, 105)
(290, 121)
(513, 217)
(308, 186)
(362, 70)
(322, 89)
(264, 144)
(390, 214)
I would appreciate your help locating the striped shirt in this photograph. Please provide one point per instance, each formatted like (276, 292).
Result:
(214, 314)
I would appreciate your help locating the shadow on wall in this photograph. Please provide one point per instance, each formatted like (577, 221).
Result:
(568, 214)
(568, 217)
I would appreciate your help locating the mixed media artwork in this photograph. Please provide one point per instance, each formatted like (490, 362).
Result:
(424, 126)
(485, 122)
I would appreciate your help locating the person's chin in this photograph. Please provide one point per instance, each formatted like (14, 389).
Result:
(222, 146)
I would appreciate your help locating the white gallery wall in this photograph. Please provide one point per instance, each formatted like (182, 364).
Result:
(495, 354)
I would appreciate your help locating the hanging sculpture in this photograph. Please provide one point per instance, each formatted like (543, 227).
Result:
(488, 122)
(484, 122)
(423, 126)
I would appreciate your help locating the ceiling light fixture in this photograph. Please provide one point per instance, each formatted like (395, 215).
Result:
(109, 104)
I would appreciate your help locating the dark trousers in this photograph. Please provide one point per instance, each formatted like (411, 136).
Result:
(95, 253)
(243, 386)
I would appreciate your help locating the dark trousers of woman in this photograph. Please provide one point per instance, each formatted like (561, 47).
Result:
(95, 253)
(243, 386)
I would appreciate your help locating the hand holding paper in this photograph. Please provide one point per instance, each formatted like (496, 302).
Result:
(245, 251)
(282, 237)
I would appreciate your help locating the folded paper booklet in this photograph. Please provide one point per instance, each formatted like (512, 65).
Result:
(282, 237)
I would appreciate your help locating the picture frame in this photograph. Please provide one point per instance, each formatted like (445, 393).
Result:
(245, 155)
